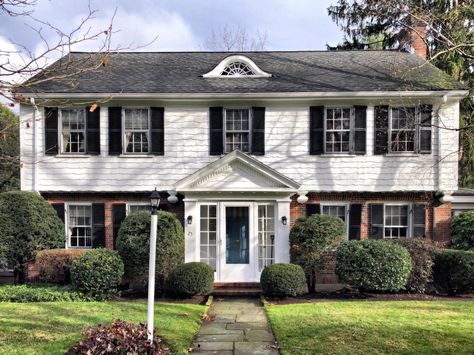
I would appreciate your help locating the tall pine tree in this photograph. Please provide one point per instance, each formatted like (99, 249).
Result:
(384, 24)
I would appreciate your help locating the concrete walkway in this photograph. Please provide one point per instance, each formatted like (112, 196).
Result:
(239, 327)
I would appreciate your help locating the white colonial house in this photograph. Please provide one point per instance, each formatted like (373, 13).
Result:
(242, 144)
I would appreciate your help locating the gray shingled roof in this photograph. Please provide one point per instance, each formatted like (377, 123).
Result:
(311, 71)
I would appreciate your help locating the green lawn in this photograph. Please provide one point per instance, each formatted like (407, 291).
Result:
(51, 327)
(361, 327)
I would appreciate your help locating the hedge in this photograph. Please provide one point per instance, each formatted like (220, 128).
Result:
(54, 266)
(191, 279)
(282, 280)
(40, 293)
(462, 231)
(453, 271)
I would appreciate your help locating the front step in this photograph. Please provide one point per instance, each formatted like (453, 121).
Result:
(237, 289)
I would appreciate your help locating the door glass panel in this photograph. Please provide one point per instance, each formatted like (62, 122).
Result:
(237, 235)
(266, 236)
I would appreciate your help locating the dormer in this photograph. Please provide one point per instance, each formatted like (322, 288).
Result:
(237, 66)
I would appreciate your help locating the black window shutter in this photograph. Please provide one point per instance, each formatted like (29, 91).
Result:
(93, 131)
(313, 208)
(426, 113)
(51, 146)
(258, 131)
(360, 126)
(98, 227)
(115, 130)
(158, 130)
(118, 215)
(381, 130)
(376, 221)
(355, 212)
(59, 208)
(316, 130)
(216, 133)
(419, 220)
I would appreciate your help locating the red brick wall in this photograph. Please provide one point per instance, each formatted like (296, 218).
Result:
(109, 199)
(440, 231)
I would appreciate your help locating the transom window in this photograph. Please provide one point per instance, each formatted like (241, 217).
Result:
(237, 69)
(137, 130)
(208, 235)
(403, 129)
(396, 221)
(339, 211)
(266, 236)
(237, 130)
(73, 130)
(338, 130)
(80, 226)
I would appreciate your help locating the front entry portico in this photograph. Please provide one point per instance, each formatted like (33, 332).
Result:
(234, 211)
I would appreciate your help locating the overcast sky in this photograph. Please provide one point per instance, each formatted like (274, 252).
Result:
(185, 24)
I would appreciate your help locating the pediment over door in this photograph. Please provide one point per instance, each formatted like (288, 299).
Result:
(237, 171)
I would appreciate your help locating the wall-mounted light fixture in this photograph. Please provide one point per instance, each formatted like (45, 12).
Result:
(190, 219)
(283, 220)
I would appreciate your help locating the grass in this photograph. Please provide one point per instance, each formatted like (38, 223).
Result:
(51, 327)
(404, 327)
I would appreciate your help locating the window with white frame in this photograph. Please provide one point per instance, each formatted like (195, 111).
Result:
(396, 221)
(208, 235)
(338, 130)
(266, 236)
(73, 130)
(137, 207)
(80, 226)
(403, 129)
(136, 130)
(237, 130)
(336, 210)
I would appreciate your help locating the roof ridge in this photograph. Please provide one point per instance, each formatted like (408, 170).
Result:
(269, 51)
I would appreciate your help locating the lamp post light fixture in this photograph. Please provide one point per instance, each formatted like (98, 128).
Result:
(155, 202)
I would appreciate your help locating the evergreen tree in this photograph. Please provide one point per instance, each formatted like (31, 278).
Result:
(9, 150)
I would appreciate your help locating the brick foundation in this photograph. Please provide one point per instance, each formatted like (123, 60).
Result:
(109, 199)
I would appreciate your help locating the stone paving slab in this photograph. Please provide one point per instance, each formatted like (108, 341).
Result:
(239, 326)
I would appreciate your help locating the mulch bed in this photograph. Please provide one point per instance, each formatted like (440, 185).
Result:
(348, 295)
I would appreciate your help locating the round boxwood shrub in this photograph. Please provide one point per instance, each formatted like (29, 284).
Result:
(54, 266)
(462, 231)
(373, 265)
(97, 273)
(453, 271)
(421, 252)
(191, 279)
(282, 280)
(133, 245)
(311, 239)
(28, 224)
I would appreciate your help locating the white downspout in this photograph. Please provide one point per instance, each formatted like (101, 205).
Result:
(34, 160)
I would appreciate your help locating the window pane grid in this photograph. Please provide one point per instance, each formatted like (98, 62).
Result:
(396, 221)
(208, 235)
(338, 128)
(80, 226)
(336, 211)
(137, 208)
(237, 127)
(136, 130)
(403, 129)
(73, 130)
(266, 236)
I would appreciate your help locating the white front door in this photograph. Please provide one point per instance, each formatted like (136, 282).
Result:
(238, 243)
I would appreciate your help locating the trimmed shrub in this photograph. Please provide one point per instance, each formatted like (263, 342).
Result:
(120, 337)
(191, 279)
(453, 271)
(133, 245)
(311, 239)
(28, 224)
(373, 265)
(421, 252)
(282, 280)
(37, 293)
(462, 231)
(54, 266)
(97, 273)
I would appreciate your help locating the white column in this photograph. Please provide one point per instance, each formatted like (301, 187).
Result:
(282, 241)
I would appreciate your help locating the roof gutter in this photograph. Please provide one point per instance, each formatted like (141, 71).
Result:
(455, 94)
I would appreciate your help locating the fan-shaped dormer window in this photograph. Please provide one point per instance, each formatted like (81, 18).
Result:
(237, 66)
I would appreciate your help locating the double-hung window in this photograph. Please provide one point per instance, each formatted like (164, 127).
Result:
(338, 135)
(336, 210)
(138, 207)
(396, 224)
(80, 226)
(403, 122)
(73, 130)
(136, 130)
(237, 130)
